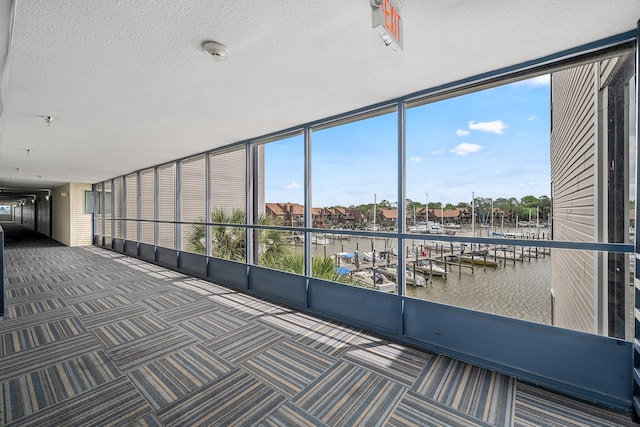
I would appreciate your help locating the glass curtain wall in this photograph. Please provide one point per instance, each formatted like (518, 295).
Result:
(519, 198)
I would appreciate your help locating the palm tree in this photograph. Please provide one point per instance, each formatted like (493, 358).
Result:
(322, 267)
(229, 242)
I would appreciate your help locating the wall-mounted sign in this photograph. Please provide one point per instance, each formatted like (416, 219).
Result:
(388, 23)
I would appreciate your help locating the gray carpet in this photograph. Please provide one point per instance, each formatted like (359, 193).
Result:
(91, 337)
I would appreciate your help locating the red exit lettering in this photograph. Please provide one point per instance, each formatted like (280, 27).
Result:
(391, 19)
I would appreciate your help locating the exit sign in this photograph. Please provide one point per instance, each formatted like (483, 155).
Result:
(388, 23)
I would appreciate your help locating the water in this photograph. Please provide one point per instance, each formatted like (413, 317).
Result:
(521, 291)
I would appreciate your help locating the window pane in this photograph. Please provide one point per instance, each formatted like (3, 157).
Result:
(107, 212)
(147, 183)
(132, 207)
(118, 212)
(193, 201)
(281, 174)
(480, 161)
(228, 184)
(167, 206)
(88, 202)
(355, 173)
(283, 180)
(227, 242)
(99, 215)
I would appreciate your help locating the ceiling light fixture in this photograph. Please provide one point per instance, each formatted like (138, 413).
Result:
(48, 119)
(215, 50)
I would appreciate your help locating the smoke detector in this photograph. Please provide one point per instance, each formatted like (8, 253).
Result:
(215, 50)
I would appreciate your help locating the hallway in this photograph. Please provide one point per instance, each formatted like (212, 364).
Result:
(92, 337)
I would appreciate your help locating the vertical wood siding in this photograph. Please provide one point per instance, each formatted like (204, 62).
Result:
(574, 98)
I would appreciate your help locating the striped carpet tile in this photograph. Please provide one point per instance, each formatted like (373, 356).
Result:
(394, 361)
(289, 415)
(23, 278)
(40, 389)
(242, 344)
(122, 274)
(202, 286)
(172, 377)
(116, 403)
(68, 278)
(247, 306)
(348, 395)
(236, 399)
(12, 324)
(211, 325)
(38, 335)
(180, 314)
(291, 323)
(415, 410)
(34, 307)
(124, 331)
(332, 339)
(106, 316)
(540, 408)
(169, 300)
(479, 392)
(45, 355)
(145, 292)
(288, 367)
(143, 351)
(99, 304)
(28, 291)
(82, 289)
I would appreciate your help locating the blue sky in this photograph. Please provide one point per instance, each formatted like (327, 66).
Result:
(494, 143)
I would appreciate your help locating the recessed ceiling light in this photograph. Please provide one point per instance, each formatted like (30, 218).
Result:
(215, 50)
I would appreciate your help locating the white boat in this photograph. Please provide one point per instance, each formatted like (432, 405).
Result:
(434, 229)
(410, 277)
(428, 266)
(319, 240)
(369, 257)
(375, 280)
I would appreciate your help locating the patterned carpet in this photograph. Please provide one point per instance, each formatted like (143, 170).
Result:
(91, 337)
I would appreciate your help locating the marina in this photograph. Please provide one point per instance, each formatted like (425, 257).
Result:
(512, 281)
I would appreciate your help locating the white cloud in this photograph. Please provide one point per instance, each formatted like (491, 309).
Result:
(437, 152)
(466, 148)
(415, 159)
(293, 186)
(540, 81)
(496, 126)
(531, 118)
(462, 132)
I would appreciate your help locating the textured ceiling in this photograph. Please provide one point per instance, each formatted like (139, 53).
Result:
(130, 87)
